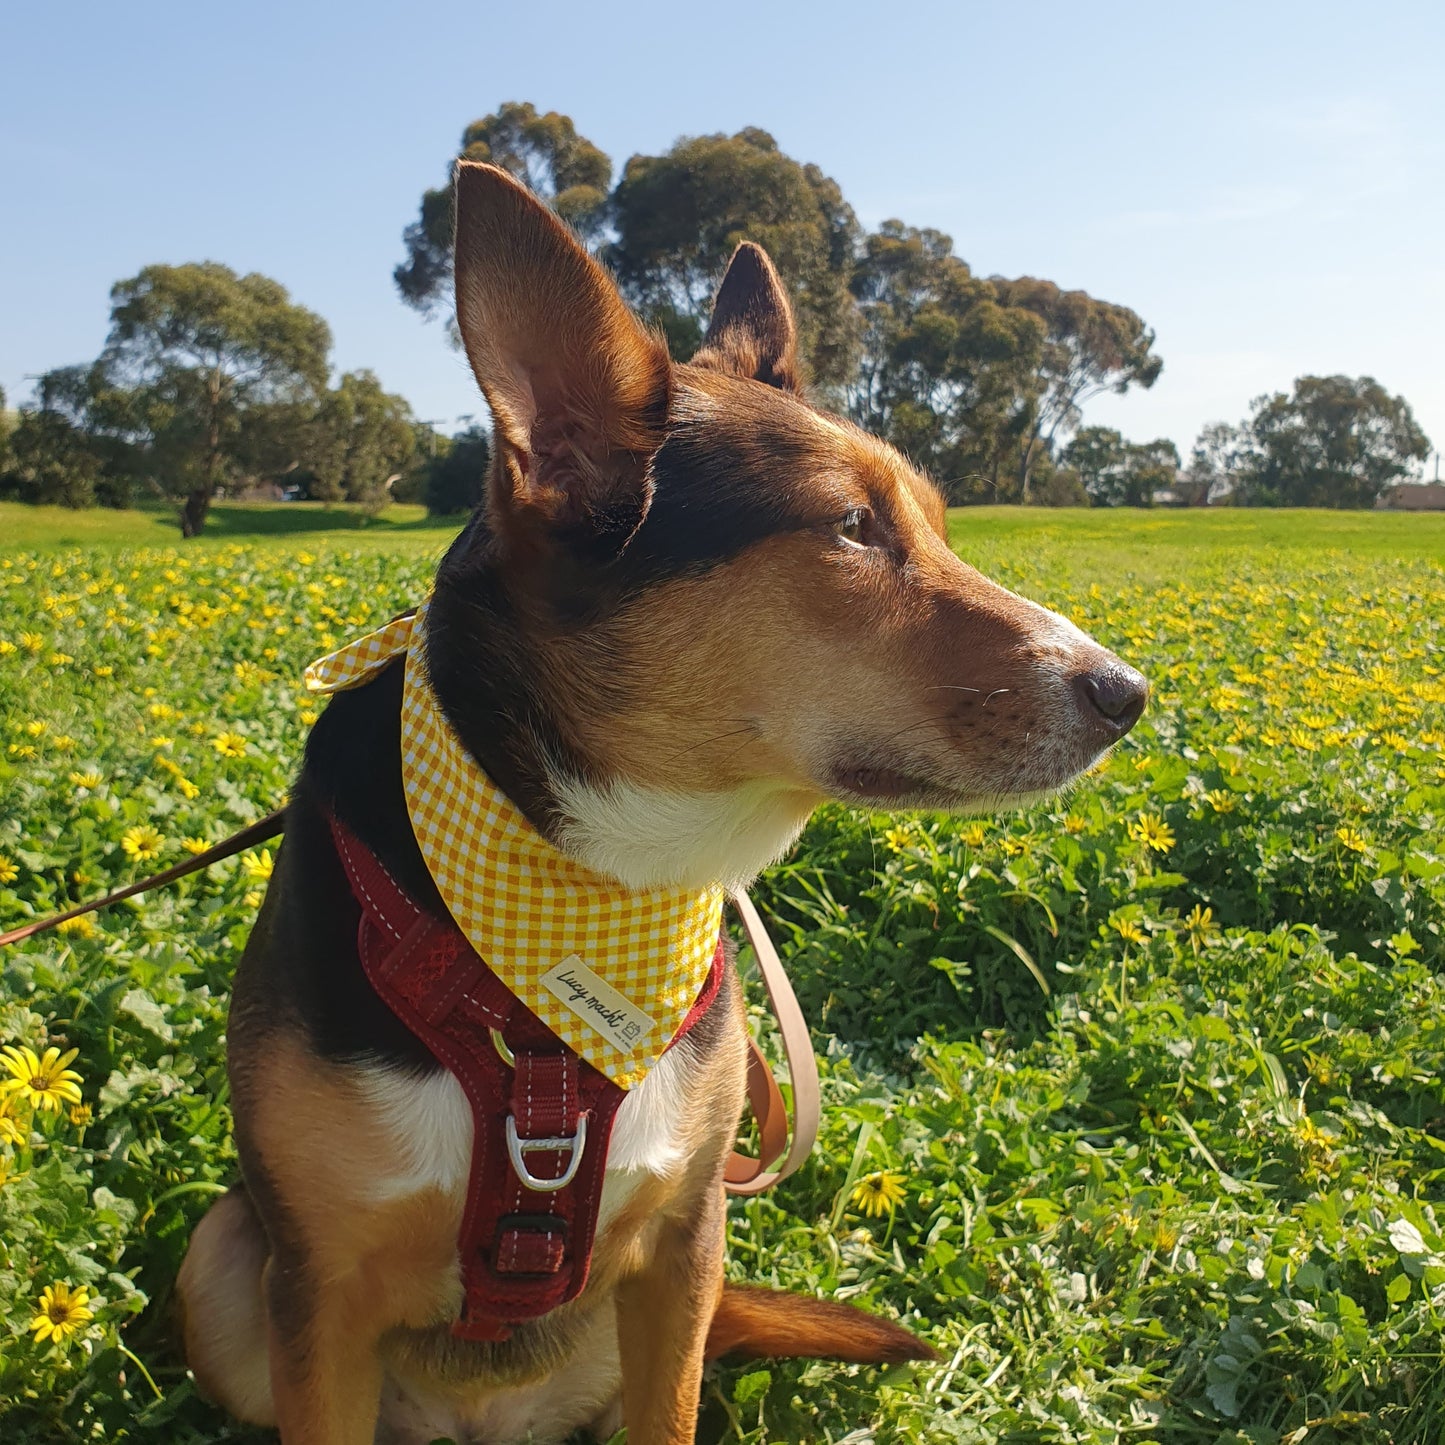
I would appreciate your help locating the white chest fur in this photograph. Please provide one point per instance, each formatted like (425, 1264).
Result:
(424, 1131)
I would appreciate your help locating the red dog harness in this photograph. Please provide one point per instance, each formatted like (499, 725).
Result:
(541, 1116)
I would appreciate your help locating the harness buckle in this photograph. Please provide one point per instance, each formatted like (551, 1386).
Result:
(572, 1145)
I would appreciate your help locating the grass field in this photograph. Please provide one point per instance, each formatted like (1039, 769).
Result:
(1146, 1086)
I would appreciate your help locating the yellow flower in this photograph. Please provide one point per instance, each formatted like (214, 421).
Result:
(195, 846)
(142, 842)
(162, 741)
(1074, 824)
(8, 871)
(6, 647)
(230, 745)
(897, 839)
(63, 743)
(1129, 931)
(60, 659)
(1221, 800)
(1153, 832)
(22, 750)
(81, 1115)
(31, 641)
(82, 927)
(104, 671)
(257, 865)
(973, 835)
(879, 1193)
(253, 898)
(45, 1082)
(37, 728)
(1199, 925)
(309, 716)
(1165, 1237)
(1351, 839)
(186, 787)
(63, 1312)
(12, 1131)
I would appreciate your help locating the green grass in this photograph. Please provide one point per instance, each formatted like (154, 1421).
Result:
(1164, 538)
(154, 525)
(1153, 539)
(1158, 1068)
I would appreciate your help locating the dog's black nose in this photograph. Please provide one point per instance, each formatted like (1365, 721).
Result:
(1117, 693)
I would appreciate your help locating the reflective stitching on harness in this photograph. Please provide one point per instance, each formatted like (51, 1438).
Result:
(374, 911)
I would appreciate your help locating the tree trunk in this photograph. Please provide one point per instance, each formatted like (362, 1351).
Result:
(198, 500)
(1026, 470)
(193, 514)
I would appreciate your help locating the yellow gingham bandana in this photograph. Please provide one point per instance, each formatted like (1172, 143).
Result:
(610, 971)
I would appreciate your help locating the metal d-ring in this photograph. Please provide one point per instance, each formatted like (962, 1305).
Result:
(518, 1149)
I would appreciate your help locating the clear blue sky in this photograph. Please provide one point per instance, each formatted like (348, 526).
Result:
(1263, 182)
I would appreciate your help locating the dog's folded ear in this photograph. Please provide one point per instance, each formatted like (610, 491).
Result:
(578, 388)
(752, 334)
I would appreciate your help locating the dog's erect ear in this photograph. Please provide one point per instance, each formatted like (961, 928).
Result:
(752, 334)
(578, 389)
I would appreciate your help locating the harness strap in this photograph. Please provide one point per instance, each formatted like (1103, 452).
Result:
(541, 1116)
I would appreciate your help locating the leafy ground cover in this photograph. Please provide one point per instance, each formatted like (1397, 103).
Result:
(1135, 1103)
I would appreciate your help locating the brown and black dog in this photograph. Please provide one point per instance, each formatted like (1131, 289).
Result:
(691, 607)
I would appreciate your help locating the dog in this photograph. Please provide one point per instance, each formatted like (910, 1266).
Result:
(691, 607)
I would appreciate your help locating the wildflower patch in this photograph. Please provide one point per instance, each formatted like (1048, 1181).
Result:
(1188, 1188)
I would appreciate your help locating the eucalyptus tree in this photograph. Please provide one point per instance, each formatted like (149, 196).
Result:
(1090, 347)
(542, 149)
(679, 216)
(212, 364)
(947, 372)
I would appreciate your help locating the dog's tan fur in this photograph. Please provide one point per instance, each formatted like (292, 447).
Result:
(814, 663)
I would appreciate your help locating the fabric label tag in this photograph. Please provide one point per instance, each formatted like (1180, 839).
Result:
(597, 1003)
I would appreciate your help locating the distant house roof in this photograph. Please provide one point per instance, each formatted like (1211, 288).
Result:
(1413, 497)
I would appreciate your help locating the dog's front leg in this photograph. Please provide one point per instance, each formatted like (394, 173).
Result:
(325, 1370)
(663, 1314)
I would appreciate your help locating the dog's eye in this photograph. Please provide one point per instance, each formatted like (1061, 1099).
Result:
(857, 527)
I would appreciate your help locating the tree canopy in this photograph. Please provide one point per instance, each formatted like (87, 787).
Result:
(211, 380)
(544, 151)
(981, 380)
(363, 440)
(947, 372)
(457, 473)
(1090, 347)
(1118, 473)
(679, 217)
(1335, 441)
(216, 367)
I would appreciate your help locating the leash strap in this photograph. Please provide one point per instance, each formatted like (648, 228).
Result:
(749, 1176)
(258, 832)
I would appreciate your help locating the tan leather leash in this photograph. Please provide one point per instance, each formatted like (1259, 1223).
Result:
(745, 1175)
(752, 1176)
